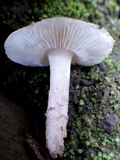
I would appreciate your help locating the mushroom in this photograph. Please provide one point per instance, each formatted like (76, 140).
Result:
(58, 42)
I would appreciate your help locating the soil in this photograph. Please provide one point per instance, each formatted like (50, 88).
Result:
(13, 126)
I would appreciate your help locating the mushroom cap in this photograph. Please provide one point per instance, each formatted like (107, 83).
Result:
(30, 45)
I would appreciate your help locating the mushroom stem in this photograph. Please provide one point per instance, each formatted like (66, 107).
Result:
(57, 111)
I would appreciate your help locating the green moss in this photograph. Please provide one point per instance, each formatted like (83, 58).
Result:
(95, 102)
(19, 14)
(38, 10)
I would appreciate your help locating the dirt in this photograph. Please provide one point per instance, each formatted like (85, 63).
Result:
(13, 126)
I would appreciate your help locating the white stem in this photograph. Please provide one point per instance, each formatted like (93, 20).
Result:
(57, 111)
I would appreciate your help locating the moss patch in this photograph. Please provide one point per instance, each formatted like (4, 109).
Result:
(89, 105)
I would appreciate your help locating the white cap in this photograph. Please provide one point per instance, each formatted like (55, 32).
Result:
(30, 45)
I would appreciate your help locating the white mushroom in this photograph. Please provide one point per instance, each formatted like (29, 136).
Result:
(58, 42)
